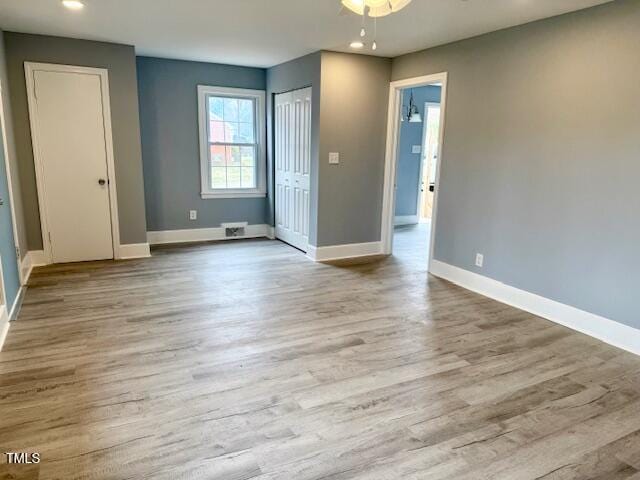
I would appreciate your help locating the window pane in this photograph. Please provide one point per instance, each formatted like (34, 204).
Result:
(218, 177)
(230, 132)
(216, 131)
(246, 111)
(248, 177)
(245, 133)
(217, 155)
(247, 156)
(233, 156)
(215, 108)
(230, 109)
(233, 177)
(232, 137)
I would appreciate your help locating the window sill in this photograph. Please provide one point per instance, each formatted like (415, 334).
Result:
(211, 196)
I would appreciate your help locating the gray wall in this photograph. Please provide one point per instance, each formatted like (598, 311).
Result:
(540, 171)
(120, 61)
(299, 73)
(170, 143)
(353, 118)
(408, 172)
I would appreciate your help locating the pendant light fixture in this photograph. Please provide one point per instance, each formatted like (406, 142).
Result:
(412, 114)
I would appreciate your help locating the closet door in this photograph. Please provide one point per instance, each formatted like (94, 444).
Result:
(293, 166)
(69, 125)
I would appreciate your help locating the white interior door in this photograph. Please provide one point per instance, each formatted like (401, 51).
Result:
(70, 143)
(431, 137)
(293, 166)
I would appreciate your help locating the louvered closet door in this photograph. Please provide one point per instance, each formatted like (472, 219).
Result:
(293, 165)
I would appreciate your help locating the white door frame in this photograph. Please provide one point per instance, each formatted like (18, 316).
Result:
(30, 68)
(391, 156)
(10, 184)
(422, 157)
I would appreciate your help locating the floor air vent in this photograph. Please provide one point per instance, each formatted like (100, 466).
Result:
(235, 229)
(234, 232)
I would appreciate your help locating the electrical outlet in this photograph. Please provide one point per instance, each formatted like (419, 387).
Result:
(193, 214)
(479, 260)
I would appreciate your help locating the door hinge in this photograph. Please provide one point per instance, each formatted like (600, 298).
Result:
(18, 253)
(49, 233)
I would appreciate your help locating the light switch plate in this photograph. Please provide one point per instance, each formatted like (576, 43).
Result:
(416, 149)
(334, 158)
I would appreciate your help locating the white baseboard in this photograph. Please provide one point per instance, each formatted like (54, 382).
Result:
(17, 303)
(33, 258)
(205, 234)
(25, 269)
(4, 325)
(271, 232)
(339, 252)
(406, 220)
(134, 250)
(37, 258)
(604, 329)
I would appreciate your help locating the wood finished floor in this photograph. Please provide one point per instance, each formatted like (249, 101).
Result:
(244, 360)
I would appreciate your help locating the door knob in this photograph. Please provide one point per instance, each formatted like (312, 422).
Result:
(102, 182)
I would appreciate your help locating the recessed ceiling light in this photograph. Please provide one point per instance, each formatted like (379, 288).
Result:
(356, 44)
(73, 4)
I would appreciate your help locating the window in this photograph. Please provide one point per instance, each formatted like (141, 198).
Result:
(232, 142)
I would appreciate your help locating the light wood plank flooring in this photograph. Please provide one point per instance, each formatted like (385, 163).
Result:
(244, 360)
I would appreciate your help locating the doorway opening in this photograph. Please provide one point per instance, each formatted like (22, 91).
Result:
(415, 134)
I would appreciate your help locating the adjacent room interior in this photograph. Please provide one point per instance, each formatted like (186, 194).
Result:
(348, 239)
(416, 159)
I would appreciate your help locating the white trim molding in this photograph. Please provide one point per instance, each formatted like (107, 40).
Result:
(340, 252)
(405, 220)
(206, 234)
(7, 317)
(4, 325)
(7, 162)
(391, 155)
(604, 329)
(258, 97)
(134, 250)
(33, 258)
(17, 304)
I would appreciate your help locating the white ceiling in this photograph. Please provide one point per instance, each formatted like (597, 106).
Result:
(267, 32)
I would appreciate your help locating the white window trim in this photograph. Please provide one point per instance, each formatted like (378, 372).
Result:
(261, 159)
